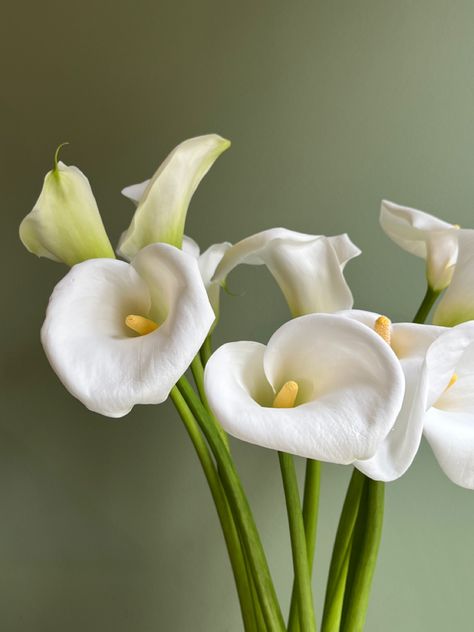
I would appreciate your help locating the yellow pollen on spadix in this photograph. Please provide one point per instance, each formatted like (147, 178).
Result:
(140, 324)
(383, 327)
(286, 396)
(453, 380)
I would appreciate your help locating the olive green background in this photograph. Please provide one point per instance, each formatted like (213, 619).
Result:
(331, 106)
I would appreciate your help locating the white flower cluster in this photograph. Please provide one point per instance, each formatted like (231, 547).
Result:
(333, 383)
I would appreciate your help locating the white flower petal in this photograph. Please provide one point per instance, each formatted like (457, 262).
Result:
(96, 357)
(351, 389)
(410, 343)
(162, 208)
(65, 223)
(425, 236)
(451, 437)
(457, 303)
(308, 268)
(208, 262)
(190, 246)
(135, 192)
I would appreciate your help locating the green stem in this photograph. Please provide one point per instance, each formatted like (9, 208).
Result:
(206, 350)
(426, 304)
(340, 556)
(241, 511)
(298, 543)
(231, 535)
(312, 483)
(365, 546)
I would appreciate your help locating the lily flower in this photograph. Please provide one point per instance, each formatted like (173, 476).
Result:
(457, 303)
(162, 202)
(119, 334)
(308, 268)
(409, 343)
(65, 223)
(425, 236)
(324, 387)
(449, 422)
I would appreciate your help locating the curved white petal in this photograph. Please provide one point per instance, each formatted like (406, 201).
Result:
(162, 208)
(208, 262)
(65, 223)
(351, 389)
(307, 268)
(457, 303)
(451, 437)
(135, 192)
(410, 343)
(425, 236)
(190, 246)
(97, 358)
(445, 357)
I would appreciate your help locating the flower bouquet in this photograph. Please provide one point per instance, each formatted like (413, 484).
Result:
(333, 384)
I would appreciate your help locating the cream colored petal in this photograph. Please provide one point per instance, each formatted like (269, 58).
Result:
(162, 208)
(65, 223)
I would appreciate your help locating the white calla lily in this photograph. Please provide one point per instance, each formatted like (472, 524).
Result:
(409, 343)
(89, 333)
(425, 236)
(65, 223)
(162, 202)
(449, 422)
(308, 268)
(457, 303)
(342, 389)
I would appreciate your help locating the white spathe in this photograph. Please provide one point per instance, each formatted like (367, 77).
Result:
(162, 202)
(409, 343)
(457, 303)
(350, 383)
(208, 262)
(449, 422)
(99, 360)
(65, 224)
(425, 236)
(308, 268)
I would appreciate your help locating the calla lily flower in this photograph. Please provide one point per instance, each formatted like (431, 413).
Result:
(308, 268)
(425, 236)
(457, 303)
(65, 223)
(409, 343)
(208, 262)
(162, 202)
(324, 387)
(449, 422)
(120, 334)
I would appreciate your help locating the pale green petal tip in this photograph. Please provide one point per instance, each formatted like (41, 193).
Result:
(56, 156)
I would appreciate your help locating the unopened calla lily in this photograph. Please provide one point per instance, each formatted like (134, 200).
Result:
(162, 202)
(65, 223)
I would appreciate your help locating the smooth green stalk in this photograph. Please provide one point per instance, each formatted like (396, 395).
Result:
(340, 556)
(197, 370)
(312, 483)
(206, 350)
(231, 535)
(426, 304)
(240, 509)
(365, 546)
(298, 544)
